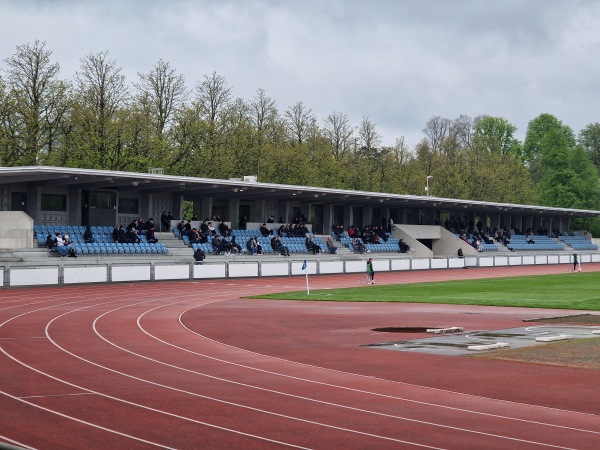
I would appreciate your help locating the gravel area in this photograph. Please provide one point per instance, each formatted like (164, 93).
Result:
(578, 353)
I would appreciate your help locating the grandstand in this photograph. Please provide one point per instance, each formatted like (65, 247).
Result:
(67, 198)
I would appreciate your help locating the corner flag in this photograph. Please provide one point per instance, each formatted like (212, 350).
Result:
(306, 273)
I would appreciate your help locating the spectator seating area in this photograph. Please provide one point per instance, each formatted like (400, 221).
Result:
(104, 243)
(295, 244)
(578, 242)
(389, 246)
(518, 242)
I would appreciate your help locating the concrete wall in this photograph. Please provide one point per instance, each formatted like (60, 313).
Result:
(448, 245)
(410, 234)
(16, 230)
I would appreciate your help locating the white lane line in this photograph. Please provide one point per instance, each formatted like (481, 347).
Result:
(75, 419)
(320, 383)
(375, 378)
(12, 441)
(104, 395)
(371, 435)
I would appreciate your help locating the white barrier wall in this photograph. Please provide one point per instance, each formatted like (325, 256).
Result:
(456, 263)
(515, 261)
(356, 266)
(420, 264)
(528, 260)
(91, 274)
(439, 263)
(172, 272)
(400, 264)
(486, 261)
(131, 273)
(57, 275)
(500, 261)
(209, 271)
(275, 269)
(34, 276)
(331, 267)
(249, 269)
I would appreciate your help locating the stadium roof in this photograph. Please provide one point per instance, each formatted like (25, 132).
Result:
(248, 189)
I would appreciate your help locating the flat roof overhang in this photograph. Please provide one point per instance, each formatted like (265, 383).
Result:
(250, 190)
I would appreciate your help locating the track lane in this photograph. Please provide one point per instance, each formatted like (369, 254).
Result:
(165, 326)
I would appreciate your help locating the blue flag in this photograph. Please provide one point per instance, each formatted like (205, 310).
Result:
(304, 265)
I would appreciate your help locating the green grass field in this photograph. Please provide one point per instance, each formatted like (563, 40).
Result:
(565, 291)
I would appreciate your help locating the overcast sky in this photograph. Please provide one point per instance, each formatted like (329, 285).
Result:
(398, 62)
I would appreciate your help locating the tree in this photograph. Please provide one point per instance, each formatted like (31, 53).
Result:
(38, 102)
(495, 135)
(298, 122)
(436, 130)
(589, 138)
(463, 128)
(533, 145)
(339, 132)
(161, 92)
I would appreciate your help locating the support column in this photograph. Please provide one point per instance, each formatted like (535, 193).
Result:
(234, 212)
(327, 218)
(206, 207)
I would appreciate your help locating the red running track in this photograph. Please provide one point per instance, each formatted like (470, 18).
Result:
(190, 365)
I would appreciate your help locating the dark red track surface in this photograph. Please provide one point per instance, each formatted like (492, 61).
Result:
(192, 365)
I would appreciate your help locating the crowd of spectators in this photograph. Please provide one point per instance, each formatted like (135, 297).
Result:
(133, 233)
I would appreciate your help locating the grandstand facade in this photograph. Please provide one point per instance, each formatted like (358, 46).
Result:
(77, 197)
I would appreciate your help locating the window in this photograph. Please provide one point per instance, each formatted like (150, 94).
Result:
(103, 200)
(54, 202)
(128, 205)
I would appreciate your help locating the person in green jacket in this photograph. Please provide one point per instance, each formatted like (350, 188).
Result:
(370, 271)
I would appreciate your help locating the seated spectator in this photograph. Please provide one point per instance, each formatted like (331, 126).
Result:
(202, 237)
(50, 242)
(264, 230)
(88, 236)
(199, 255)
(529, 239)
(150, 236)
(211, 228)
(279, 247)
(141, 227)
(194, 236)
(312, 246)
(224, 229)
(358, 246)
(131, 237)
(64, 246)
(235, 246)
(403, 246)
(150, 224)
(181, 227)
(271, 219)
(187, 228)
(225, 247)
(216, 245)
(204, 227)
(460, 253)
(243, 223)
(118, 234)
(253, 246)
(331, 249)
